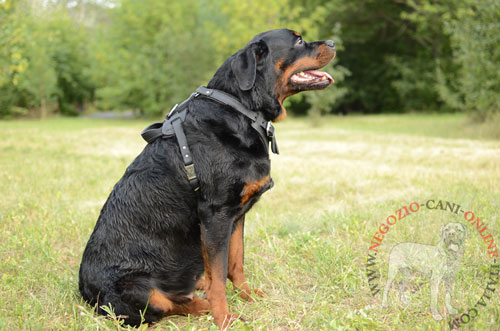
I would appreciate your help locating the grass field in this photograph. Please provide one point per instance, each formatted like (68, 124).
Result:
(306, 240)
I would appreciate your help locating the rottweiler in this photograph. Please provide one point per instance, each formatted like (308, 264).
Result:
(155, 236)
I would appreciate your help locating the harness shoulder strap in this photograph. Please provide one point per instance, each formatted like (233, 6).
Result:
(228, 100)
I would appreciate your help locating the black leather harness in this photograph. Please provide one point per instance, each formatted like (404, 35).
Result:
(172, 126)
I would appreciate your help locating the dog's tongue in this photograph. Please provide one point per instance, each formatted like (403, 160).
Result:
(320, 74)
(312, 76)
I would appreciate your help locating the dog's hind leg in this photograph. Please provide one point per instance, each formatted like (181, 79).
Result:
(391, 274)
(131, 299)
(195, 306)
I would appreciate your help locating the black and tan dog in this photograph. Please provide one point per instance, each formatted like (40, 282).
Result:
(155, 237)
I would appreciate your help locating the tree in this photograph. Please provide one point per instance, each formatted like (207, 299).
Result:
(13, 59)
(43, 59)
(154, 53)
(398, 55)
(69, 52)
(475, 35)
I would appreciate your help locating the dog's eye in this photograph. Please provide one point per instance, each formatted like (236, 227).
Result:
(300, 41)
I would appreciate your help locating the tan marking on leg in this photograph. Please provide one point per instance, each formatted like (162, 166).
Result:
(236, 263)
(235, 270)
(216, 292)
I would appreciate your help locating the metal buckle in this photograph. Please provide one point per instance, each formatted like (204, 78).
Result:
(270, 129)
(191, 174)
(170, 113)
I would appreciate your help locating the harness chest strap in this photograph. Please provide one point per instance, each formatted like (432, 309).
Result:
(172, 125)
(186, 154)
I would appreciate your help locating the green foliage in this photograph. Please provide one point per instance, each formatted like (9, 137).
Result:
(391, 48)
(12, 59)
(232, 23)
(70, 58)
(393, 55)
(44, 59)
(414, 55)
(475, 35)
(155, 53)
(161, 54)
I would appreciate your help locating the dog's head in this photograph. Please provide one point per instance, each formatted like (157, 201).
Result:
(273, 66)
(453, 236)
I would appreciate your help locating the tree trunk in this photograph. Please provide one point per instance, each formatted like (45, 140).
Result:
(43, 103)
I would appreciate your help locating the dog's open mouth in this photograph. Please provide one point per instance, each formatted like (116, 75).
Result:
(312, 79)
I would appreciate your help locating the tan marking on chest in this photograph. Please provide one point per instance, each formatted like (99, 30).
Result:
(253, 187)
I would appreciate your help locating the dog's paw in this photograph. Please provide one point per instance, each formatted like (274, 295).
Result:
(259, 292)
(225, 321)
(250, 294)
(405, 299)
(199, 307)
(436, 316)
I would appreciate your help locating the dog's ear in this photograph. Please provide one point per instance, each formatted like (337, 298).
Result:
(466, 231)
(441, 230)
(244, 65)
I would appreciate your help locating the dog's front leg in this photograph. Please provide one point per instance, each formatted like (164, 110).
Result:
(215, 234)
(449, 287)
(235, 262)
(435, 281)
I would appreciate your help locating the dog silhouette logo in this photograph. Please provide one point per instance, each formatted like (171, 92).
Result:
(439, 263)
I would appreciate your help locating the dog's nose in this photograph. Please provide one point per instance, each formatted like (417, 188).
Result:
(330, 43)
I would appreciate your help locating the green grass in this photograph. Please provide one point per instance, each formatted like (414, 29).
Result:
(306, 240)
